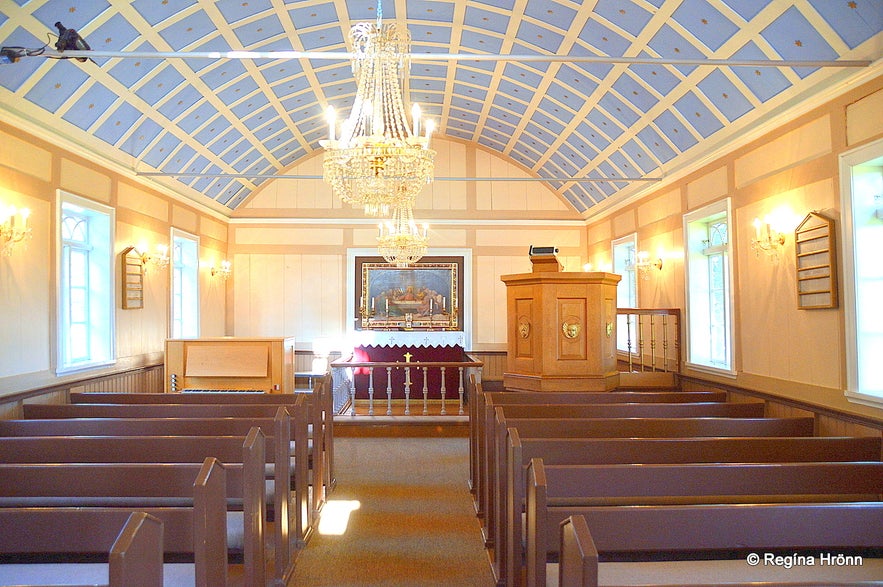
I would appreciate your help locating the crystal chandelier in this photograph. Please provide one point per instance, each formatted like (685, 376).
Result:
(379, 162)
(401, 242)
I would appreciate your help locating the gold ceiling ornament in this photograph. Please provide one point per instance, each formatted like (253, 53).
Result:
(401, 241)
(379, 161)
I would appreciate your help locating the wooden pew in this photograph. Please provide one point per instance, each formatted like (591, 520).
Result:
(134, 550)
(173, 449)
(620, 428)
(480, 413)
(217, 426)
(593, 410)
(597, 451)
(195, 527)
(557, 492)
(642, 532)
(318, 401)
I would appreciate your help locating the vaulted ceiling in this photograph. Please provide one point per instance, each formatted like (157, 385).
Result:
(629, 99)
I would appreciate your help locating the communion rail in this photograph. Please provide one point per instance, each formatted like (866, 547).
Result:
(649, 340)
(416, 374)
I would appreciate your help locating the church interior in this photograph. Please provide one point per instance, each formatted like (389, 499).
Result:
(543, 197)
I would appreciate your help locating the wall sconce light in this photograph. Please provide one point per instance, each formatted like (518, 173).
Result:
(587, 267)
(13, 227)
(224, 271)
(643, 264)
(766, 239)
(878, 203)
(160, 259)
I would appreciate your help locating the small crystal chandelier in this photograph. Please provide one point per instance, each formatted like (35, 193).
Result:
(379, 162)
(401, 242)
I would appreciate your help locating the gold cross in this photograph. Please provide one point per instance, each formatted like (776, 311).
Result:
(408, 357)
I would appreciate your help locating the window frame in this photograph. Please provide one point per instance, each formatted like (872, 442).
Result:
(868, 156)
(100, 297)
(174, 267)
(695, 253)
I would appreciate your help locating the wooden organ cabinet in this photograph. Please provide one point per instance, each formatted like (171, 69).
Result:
(230, 364)
(561, 329)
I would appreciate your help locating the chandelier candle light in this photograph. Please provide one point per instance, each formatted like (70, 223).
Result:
(379, 162)
(401, 242)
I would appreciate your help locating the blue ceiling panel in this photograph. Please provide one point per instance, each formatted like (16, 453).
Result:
(461, 133)
(435, 70)
(156, 12)
(576, 158)
(255, 33)
(638, 95)
(118, 124)
(504, 4)
(12, 76)
(604, 39)
(247, 160)
(211, 132)
(538, 36)
(725, 95)
(76, 16)
(659, 77)
(130, 71)
(496, 145)
(618, 109)
(706, 23)
(508, 103)
(509, 89)
(540, 134)
(464, 92)
(188, 31)
(316, 15)
(503, 115)
(747, 9)
(488, 20)
(645, 162)
(471, 76)
(231, 94)
(793, 37)
(321, 39)
(625, 167)
(285, 137)
(567, 166)
(764, 82)
(502, 127)
(625, 14)
(304, 106)
(224, 73)
(427, 85)
(596, 139)
(248, 108)
(290, 89)
(196, 118)
(57, 86)
(423, 34)
(160, 85)
(576, 79)
(281, 69)
(212, 44)
(523, 75)
(697, 114)
(143, 136)
(480, 43)
(433, 10)
(197, 165)
(658, 146)
(551, 13)
(464, 115)
(233, 189)
(228, 138)
(672, 127)
(549, 116)
(268, 130)
(669, 43)
(856, 23)
(179, 159)
(114, 34)
(236, 151)
(235, 11)
(566, 95)
(90, 106)
(161, 151)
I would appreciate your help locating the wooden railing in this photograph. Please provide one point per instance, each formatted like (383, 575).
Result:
(648, 341)
(415, 375)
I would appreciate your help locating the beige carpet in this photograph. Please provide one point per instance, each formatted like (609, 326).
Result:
(415, 525)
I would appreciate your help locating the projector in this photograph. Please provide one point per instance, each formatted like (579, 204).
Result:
(542, 251)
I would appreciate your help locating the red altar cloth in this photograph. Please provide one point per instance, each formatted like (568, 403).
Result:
(391, 354)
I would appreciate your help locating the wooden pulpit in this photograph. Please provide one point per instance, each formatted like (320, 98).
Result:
(561, 329)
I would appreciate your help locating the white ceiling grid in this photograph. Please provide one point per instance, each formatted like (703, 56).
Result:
(231, 124)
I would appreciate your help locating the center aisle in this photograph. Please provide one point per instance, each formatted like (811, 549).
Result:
(415, 525)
